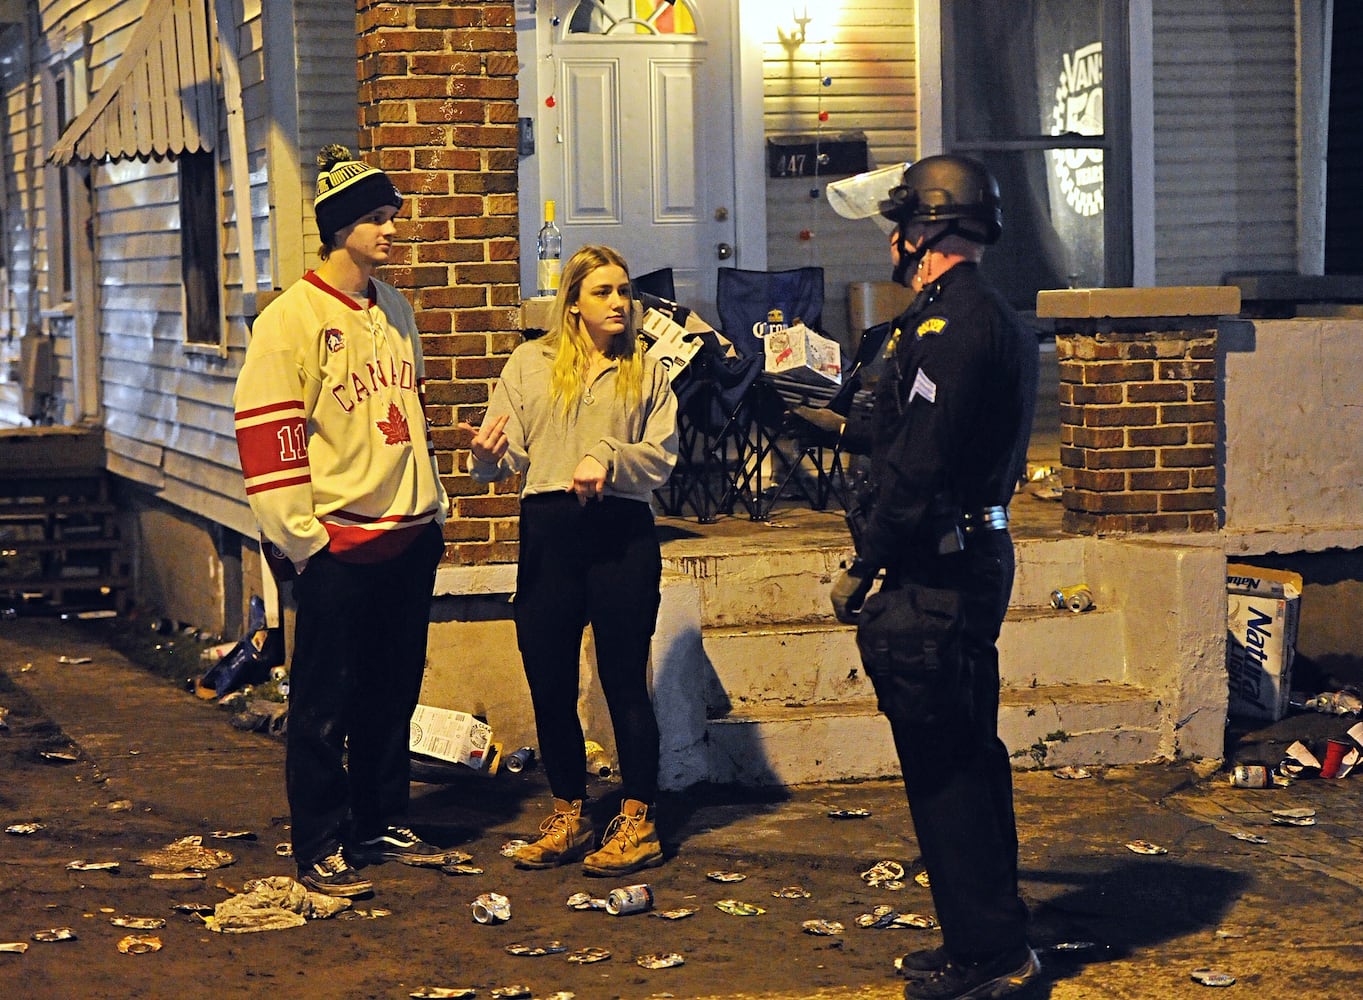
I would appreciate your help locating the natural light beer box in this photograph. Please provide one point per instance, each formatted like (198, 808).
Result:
(1263, 607)
(799, 351)
(449, 735)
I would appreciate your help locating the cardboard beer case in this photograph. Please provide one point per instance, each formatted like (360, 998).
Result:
(448, 735)
(799, 351)
(1263, 607)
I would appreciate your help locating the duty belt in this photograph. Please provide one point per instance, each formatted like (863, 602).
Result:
(985, 519)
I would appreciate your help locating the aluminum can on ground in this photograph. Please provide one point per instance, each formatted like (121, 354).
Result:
(519, 760)
(1251, 776)
(491, 908)
(629, 899)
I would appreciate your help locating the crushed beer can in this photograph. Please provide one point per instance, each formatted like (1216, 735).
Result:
(445, 992)
(1294, 817)
(629, 899)
(139, 944)
(1071, 772)
(509, 849)
(588, 955)
(885, 874)
(1249, 838)
(1212, 977)
(536, 950)
(848, 813)
(584, 901)
(1077, 598)
(23, 829)
(515, 992)
(13, 947)
(139, 923)
(680, 913)
(738, 908)
(725, 876)
(55, 934)
(792, 892)
(666, 961)
(821, 928)
(491, 908)
(1145, 847)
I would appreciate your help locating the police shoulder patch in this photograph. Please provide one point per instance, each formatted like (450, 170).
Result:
(932, 326)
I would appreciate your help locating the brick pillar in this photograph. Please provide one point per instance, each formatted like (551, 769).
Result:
(438, 92)
(1138, 406)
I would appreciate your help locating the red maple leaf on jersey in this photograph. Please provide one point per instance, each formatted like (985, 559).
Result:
(395, 429)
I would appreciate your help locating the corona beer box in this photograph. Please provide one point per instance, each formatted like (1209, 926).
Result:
(799, 351)
(454, 736)
(1263, 607)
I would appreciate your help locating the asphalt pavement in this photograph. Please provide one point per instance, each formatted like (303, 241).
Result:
(1140, 879)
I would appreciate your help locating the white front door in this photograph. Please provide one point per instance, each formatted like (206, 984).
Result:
(641, 157)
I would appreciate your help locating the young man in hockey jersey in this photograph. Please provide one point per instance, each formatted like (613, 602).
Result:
(341, 475)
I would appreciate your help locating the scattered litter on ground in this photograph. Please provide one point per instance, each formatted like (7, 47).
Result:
(509, 849)
(792, 892)
(197, 909)
(1072, 773)
(139, 944)
(376, 913)
(61, 756)
(680, 913)
(187, 854)
(588, 955)
(13, 947)
(1249, 838)
(1212, 977)
(461, 869)
(24, 829)
(884, 875)
(284, 850)
(92, 866)
(74, 661)
(120, 805)
(447, 992)
(1145, 847)
(270, 904)
(922, 879)
(139, 923)
(849, 813)
(883, 917)
(667, 961)
(491, 908)
(232, 835)
(55, 934)
(822, 928)
(725, 876)
(738, 908)
(177, 876)
(629, 899)
(1294, 817)
(511, 992)
(536, 950)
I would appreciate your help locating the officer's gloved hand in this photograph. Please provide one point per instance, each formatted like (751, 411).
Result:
(849, 591)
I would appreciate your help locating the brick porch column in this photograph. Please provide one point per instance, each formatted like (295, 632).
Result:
(1138, 406)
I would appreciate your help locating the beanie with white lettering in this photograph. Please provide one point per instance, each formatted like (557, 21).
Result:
(348, 189)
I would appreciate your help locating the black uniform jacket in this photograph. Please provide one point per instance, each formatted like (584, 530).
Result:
(953, 415)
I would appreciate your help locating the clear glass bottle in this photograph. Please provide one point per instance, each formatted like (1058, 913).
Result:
(550, 248)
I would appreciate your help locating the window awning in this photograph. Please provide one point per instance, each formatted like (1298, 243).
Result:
(159, 100)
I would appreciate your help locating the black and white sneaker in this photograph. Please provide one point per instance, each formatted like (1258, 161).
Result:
(333, 876)
(397, 843)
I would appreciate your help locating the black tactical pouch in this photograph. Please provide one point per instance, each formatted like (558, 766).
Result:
(910, 643)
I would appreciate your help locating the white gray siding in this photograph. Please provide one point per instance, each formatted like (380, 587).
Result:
(1225, 138)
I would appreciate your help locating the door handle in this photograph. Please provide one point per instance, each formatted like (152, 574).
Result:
(724, 251)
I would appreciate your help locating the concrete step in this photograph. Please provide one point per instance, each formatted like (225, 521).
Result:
(1047, 725)
(815, 663)
(767, 579)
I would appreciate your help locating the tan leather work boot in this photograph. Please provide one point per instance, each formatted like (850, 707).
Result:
(631, 843)
(567, 835)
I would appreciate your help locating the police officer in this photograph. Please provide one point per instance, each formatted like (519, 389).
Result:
(953, 408)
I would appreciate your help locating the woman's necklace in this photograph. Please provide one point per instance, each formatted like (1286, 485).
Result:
(594, 367)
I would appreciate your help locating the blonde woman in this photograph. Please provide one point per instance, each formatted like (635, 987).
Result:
(589, 423)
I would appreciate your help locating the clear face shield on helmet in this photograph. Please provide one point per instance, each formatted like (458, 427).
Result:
(867, 195)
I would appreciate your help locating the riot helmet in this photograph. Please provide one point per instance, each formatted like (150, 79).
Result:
(952, 189)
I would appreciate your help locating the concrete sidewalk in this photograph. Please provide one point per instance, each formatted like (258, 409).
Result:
(1283, 917)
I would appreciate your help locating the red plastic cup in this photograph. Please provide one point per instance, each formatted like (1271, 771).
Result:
(1334, 756)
